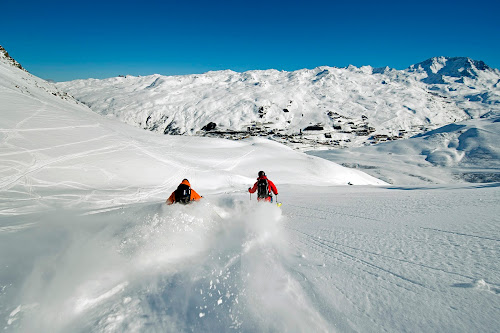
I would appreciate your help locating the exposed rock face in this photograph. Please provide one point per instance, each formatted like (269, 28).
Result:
(5, 55)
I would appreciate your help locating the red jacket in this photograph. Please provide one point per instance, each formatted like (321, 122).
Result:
(270, 184)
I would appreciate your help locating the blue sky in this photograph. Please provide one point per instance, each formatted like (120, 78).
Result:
(66, 40)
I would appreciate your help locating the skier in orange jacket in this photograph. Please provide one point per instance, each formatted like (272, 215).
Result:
(263, 186)
(184, 194)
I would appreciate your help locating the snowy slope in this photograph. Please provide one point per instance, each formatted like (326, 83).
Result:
(345, 106)
(462, 152)
(87, 244)
(51, 142)
(334, 259)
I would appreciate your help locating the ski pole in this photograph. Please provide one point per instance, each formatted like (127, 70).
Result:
(250, 194)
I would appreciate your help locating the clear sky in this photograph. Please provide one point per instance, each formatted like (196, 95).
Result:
(65, 40)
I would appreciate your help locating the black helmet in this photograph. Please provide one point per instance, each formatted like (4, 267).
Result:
(262, 173)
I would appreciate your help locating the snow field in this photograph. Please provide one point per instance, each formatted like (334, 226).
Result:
(399, 259)
(330, 259)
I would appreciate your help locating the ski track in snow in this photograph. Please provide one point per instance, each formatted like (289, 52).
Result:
(327, 248)
(38, 166)
(462, 234)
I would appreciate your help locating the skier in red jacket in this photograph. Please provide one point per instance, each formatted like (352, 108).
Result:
(263, 186)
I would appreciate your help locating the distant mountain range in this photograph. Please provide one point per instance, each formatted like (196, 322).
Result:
(325, 107)
(308, 108)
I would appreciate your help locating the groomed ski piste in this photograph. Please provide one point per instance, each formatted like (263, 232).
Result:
(88, 245)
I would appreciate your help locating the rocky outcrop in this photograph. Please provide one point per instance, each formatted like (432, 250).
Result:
(5, 55)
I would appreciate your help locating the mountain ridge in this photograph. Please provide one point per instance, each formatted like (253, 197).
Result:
(454, 67)
(5, 55)
(325, 107)
(308, 108)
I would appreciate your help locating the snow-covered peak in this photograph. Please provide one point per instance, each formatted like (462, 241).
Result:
(454, 67)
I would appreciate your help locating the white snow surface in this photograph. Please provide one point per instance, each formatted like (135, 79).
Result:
(460, 152)
(88, 245)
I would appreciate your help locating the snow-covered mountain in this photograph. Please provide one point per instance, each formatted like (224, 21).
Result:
(442, 70)
(88, 245)
(335, 107)
(471, 84)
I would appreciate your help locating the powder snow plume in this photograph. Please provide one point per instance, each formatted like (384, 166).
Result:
(203, 267)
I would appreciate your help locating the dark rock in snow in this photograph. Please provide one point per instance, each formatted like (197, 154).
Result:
(209, 127)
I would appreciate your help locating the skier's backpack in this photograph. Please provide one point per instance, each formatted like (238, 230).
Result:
(183, 194)
(263, 189)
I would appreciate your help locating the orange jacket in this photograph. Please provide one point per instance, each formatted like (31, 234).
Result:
(194, 196)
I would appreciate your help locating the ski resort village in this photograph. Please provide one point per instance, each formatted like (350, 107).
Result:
(134, 203)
